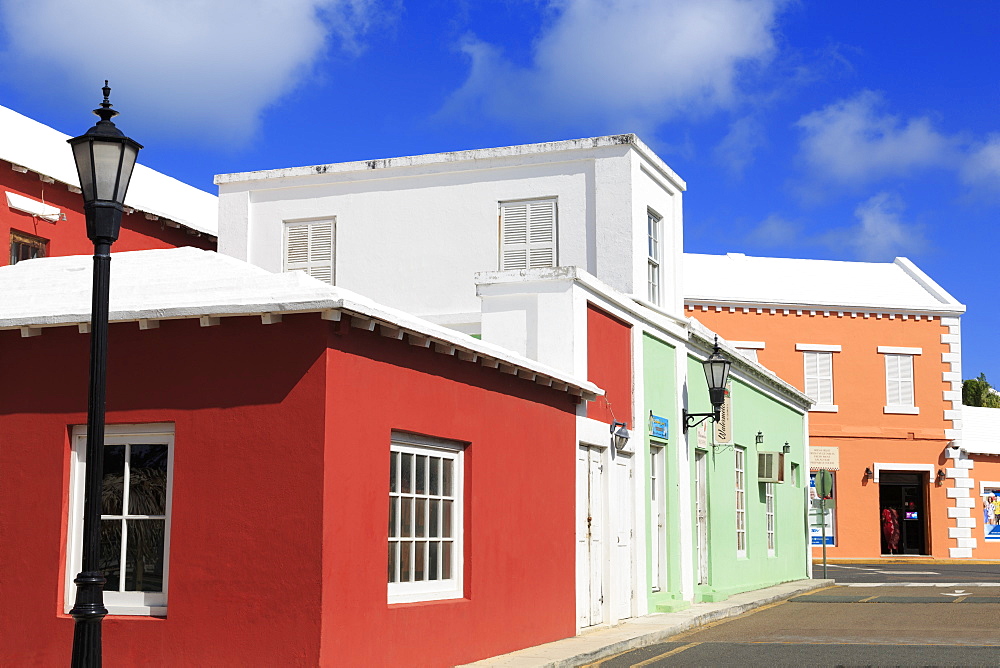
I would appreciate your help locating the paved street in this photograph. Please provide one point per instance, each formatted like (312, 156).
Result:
(877, 614)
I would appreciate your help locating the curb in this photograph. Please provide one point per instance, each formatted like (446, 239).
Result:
(642, 631)
(818, 561)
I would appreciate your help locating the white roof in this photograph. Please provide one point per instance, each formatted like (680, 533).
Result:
(981, 430)
(741, 279)
(463, 156)
(41, 149)
(189, 283)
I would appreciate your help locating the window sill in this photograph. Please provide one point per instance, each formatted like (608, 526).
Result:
(425, 596)
(901, 410)
(829, 408)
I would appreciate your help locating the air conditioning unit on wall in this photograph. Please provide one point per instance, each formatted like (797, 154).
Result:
(770, 467)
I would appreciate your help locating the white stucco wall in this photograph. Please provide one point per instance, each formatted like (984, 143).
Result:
(412, 232)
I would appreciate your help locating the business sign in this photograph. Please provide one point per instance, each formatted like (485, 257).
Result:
(991, 513)
(724, 427)
(824, 457)
(817, 518)
(659, 427)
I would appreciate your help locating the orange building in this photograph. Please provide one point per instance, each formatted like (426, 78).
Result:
(877, 347)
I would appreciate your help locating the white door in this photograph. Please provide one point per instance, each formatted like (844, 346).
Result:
(701, 514)
(590, 547)
(623, 560)
(657, 504)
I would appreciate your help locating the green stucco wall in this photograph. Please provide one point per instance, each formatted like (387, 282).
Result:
(752, 411)
(660, 396)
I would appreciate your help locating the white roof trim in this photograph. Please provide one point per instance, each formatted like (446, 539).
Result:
(463, 156)
(750, 345)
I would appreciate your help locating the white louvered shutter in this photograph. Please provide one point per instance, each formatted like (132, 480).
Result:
(899, 380)
(819, 377)
(309, 247)
(528, 234)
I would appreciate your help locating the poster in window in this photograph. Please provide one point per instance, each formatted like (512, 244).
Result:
(816, 518)
(991, 513)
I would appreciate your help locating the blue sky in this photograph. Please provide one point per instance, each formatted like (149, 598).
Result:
(849, 131)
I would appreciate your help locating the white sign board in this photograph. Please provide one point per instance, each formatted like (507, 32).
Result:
(824, 457)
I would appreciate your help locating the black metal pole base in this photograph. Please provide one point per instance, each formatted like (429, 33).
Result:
(88, 611)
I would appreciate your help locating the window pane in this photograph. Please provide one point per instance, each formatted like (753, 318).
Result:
(112, 484)
(421, 475)
(111, 548)
(446, 519)
(393, 469)
(435, 475)
(405, 470)
(406, 517)
(393, 556)
(446, 478)
(393, 512)
(421, 518)
(435, 512)
(419, 562)
(432, 561)
(144, 555)
(147, 492)
(405, 547)
(446, 560)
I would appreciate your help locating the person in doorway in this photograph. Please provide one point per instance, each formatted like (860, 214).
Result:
(890, 528)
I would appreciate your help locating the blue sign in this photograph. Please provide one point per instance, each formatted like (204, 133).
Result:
(659, 427)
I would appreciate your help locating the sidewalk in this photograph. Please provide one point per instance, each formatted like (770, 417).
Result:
(641, 631)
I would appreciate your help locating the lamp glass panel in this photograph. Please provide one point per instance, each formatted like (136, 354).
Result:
(129, 154)
(81, 155)
(107, 156)
(716, 371)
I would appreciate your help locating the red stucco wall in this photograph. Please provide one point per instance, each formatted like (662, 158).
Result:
(609, 366)
(69, 237)
(280, 495)
(519, 521)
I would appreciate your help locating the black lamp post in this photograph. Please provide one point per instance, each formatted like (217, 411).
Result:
(104, 161)
(716, 374)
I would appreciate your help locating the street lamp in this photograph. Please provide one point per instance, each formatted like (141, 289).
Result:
(716, 374)
(104, 161)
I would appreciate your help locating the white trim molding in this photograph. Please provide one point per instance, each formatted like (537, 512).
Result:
(817, 347)
(901, 410)
(832, 408)
(900, 350)
(918, 468)
(753, 345)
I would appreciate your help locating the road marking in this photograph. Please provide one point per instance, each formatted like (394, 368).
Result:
(958, 592)
(883, 571)
(951, 585)
(676, 650)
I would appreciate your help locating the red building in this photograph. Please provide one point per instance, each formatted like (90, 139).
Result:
(41, 209)
(294, 475)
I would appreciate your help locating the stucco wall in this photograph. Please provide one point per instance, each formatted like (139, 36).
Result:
(69, 237)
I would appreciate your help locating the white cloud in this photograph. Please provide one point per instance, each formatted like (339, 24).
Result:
(852, 141)
(981, 168)
(880, 234)
(207, 67)
(775, 231)
(630, 64)
(736, 150)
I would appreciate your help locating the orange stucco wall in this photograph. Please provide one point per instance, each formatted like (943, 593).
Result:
(860, 429)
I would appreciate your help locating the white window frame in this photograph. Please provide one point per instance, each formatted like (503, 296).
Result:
(769, 516)
(657, 501)
(528, 239)
(152, 604)
(812, 383)
(318, 258)
(440, 589)
(899, 362)
(741, 501)
(654, 272)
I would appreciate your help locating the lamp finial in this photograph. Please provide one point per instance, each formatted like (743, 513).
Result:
(105, 112)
